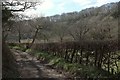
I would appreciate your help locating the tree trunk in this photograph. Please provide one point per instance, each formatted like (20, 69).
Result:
(66, 55)
(81, 53)
(95, 58)
(112, 71)
(19, 36)
(72, 56)
(61, 39)
(116, 64)
(76, 56)
(108, 62)
(100, 59)
(72, 36)
(87, 58)
(34, 37)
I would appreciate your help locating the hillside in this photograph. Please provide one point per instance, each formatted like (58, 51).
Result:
(86, 24)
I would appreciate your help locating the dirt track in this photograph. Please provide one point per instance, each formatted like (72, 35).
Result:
(30, 67)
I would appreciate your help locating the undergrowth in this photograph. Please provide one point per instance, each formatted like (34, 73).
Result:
(18, 47)
(73, 68)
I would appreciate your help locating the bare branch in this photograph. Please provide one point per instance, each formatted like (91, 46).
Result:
(26, 5)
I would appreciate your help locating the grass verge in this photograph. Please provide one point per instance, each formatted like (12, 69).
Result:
(75, 69)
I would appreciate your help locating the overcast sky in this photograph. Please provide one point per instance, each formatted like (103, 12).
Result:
(52, 7)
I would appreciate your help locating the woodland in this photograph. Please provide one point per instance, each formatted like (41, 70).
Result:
(83, 44)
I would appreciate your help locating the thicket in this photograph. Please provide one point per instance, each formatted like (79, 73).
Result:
(73, 69)
(101, 54)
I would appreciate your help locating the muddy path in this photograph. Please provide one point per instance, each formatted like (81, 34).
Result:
(30, 67)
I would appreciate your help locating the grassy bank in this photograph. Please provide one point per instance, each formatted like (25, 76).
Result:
(75, 69)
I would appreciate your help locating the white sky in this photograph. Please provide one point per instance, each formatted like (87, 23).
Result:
(52, 7)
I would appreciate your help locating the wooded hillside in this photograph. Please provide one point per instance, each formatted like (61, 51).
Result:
(100, 23)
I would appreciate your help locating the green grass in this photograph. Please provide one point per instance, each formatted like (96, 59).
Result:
(28, 50)
(18, 47)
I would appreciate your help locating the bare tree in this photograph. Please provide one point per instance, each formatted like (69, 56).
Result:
(9, 7)
(78, 30)
(37, 26)
(45, 35)
(103, 32)
(19, 29)
(60, 30)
